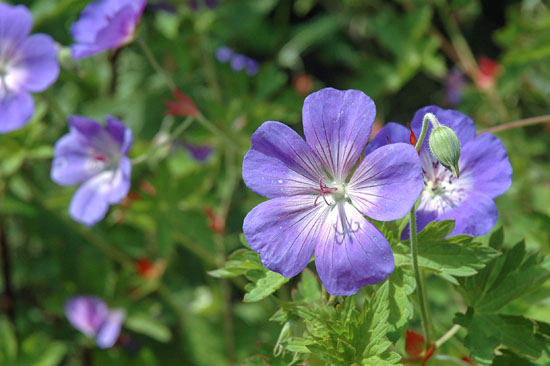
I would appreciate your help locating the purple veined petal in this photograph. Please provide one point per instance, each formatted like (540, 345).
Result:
(484, 160)
(347, 262)
(74, 161)
(35, 66)
(16, 111)
(110, 329)
(460, 123)
(85, 126)
(387, 182)
(392, 132)
(283, 231)
(337, 126)
(96, 136)
(238, 62)
(91, 201)
(121, 134)
(15, 25)
(476, 216)
(224, 54)
(86, 313)
(280, 163)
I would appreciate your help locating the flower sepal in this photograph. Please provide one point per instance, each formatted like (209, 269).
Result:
(445, 147)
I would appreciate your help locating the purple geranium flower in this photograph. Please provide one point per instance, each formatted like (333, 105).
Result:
(201, 153)
(94, 155)
(105, 25)
(91, 316)
(252, 67)
(224, 54)
(454, 85)
(485, 173)
(320, 190)
(27, 64)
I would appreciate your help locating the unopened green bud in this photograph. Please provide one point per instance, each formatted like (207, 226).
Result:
(445, 147)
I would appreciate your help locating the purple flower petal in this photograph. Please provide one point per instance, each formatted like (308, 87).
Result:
(361, 257)
(485, 162)
(121, 134)
(35, 66)
(284, 231)
(387, 182)
(392, 132)
(15, 25)
(337, 126)
(91, 201)
(200, 153)
(475, 216)
(238, 62)
(252, 67)
(15, 111)
(73, 161)
(280, 163)
(86, 313)
(109, 332)
(460, 123)
(224, 54)
(105, 24)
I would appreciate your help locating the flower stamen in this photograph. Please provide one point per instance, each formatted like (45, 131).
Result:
(323, 190)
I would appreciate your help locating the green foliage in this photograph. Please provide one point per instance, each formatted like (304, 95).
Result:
(457, 256)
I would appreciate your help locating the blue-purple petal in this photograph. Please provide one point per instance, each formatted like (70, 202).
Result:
(16, 111)
(337, 126)
(86, 313)
(387, 182)
(109, 331)
(280, 163)
(476, 216)
(121, 134)
(361, 257)
(284, 232)
(15, 25)
(392, 132)
(484, 160)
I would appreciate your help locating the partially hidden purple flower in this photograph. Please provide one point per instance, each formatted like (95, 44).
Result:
(27, 64)
(238, 62)
(197, 4)
(485, 173)
(224, 54)
(201, 153)
(105, 25)
(91, 316)
(320, 189)
(251, 66)
(94, 155)
(454, 85)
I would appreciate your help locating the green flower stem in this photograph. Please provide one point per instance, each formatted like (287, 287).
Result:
(215, 130)
(517, 124)
(177, 133)
(424, 313)
(448, 335)
(154, 63)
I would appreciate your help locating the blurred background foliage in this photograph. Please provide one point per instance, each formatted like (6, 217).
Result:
(183, 217)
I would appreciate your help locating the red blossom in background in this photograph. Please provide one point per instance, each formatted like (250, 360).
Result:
(488, 72)
(217, 223)
(183, 106)
(415, 346)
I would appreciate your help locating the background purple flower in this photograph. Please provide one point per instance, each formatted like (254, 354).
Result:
(91, 316)
(317, 203)
(200, 153)
(485, 173)
(27, 64)
(105, 25)
(252, 67)
(454, 85)
(94, 155)
(224, 54)
(238, 62)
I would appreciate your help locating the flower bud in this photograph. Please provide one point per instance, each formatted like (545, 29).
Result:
(445, 147)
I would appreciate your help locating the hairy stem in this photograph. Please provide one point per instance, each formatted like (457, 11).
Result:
(448, 335)
(516, 124)
(155, 64)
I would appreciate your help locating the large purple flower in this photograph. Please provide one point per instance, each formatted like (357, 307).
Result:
(91, 316)
(485, 173)
(27, 64)
(320, 190)
(94, 155)
(105, 25)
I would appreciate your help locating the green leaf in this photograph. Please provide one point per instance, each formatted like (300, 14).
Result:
(308, 290)
(265, 282)
(448, 257)
(487, 331)
(144, 324)
(8, 342)
(402, 284)
(239, 263)
(53, 354)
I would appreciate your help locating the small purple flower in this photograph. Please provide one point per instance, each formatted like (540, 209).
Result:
(251, 66)
(320, 190)
(91, 316)
(200, 153)
(454, 83)
(94, 155)
(485, 173)
(238, 62)
(224, 54)
(27, 64)
(105, 25)
(196, 4)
